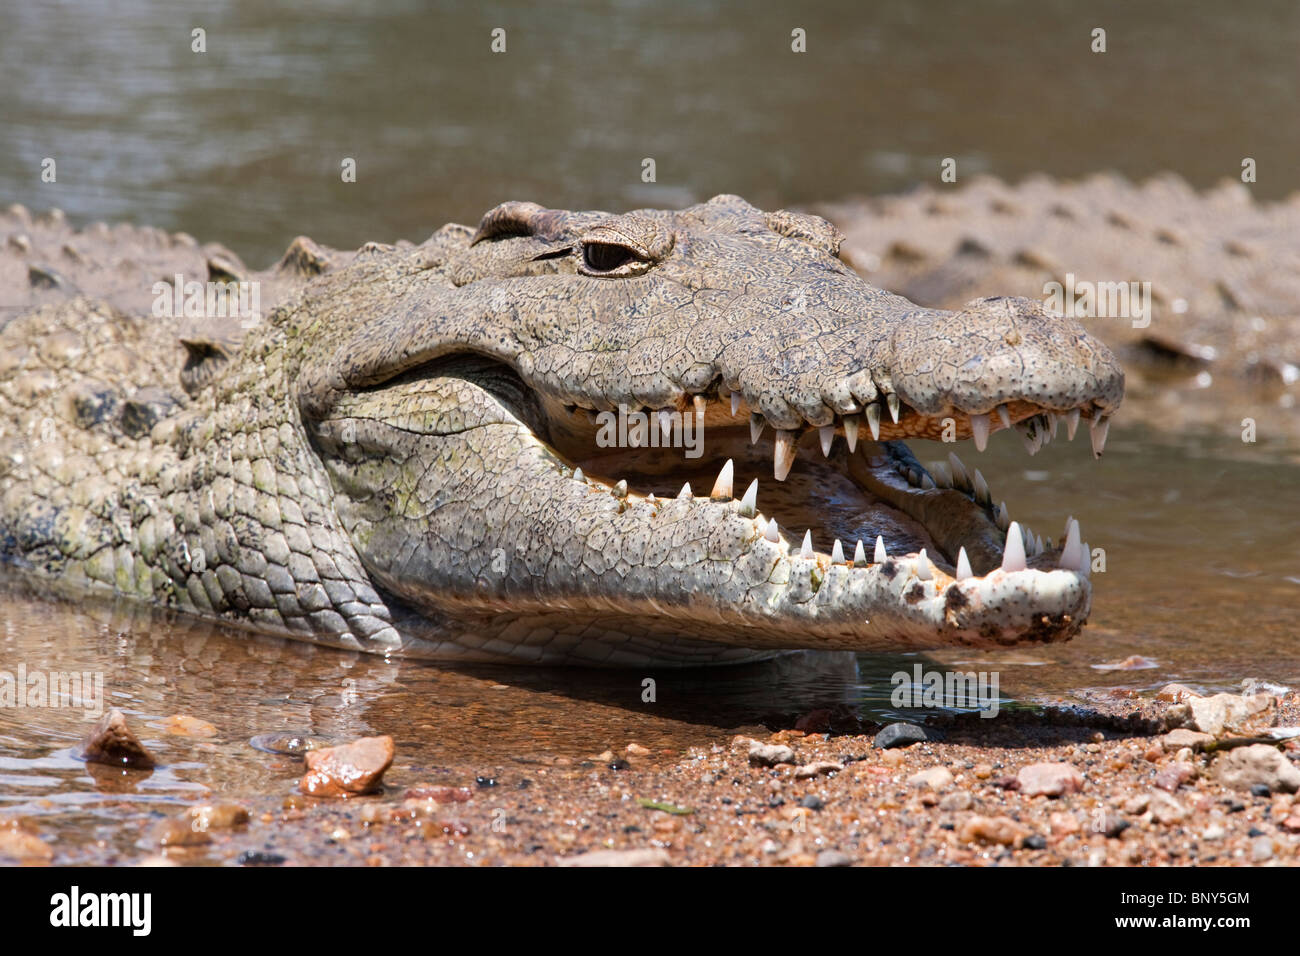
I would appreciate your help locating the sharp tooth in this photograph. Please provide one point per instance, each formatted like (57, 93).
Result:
(650, 498)
(686, 491)
(735, 403)
(827, 435)
(1013, 555)
(923, 566)
(1053, 420)
(749, 503)
(913, 476)
(1071, 423)
(806, 549)
(666, 423)
(873, 420)
(1044, 430)
(1038, 544)
(837, 553)
(578, 475)
(1005, 415)
(722, 487)
(892, 399)
(851, 423)
(979, 426)
(982, 494)
(942, 473)
(963, 566)
(859, 556)
(783, 456)
(1004, 517)
(756, 423)
(880, 555)
(960, 476)
(620, 489)
(1029, 435)
(700, 405)
(1072, 551)
(1087, 560)
(927, 482)
(1097, 430)
(771, 533)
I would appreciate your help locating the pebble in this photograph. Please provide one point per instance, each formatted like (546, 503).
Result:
(961, 800)
(1166, 809)
(1212, 715)
(646, 857)
(1214, 832)
(636, 750)
(898, 735)
(834, 858)
(111, 742)
(1182, 737)
(1261, 849)
(21, 842)
(769, 755)
(349, 769)
(1258, 764)
(1051, 779)
(937, 779)
(818, 767)
(996, 830)
(1064, 824)
(183, 725)
(1176, 693)
(216, 816)
(1174, 776)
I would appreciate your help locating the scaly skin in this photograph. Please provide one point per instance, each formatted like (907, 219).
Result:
(387, 461)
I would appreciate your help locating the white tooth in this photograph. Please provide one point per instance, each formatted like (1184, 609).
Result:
(963, 566)
(942, 473)
(722, 487)
(1044, 431)
(735, 403)
(837, 553)
(873, 420)
(960, 476)
(771, 533)
(827, 435)
(979, 426)
(880, 555)
(1071, 423)
(982, 494)
(700, 405)
(685, 492)
(892, 399)
(651, 498)
(1072, 551)
(927, 482)
(1087, 560)
(1005, 415)
(1053, 420)
(578, 475)
(620, 489)
(1038, 544)
(1004, 517)
(749, 503)
(783, 456)
(756, 423)
(806, 549)
(859, 555)
(1097, 432)
(666, 423)
(1013, 555)
(923, 566)
(851, 431)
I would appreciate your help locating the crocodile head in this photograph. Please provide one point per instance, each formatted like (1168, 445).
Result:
(678, 437)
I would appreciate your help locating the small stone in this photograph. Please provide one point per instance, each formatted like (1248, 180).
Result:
(769, 755)
(817, 768)
(1176, 693)
(1291, 824)
(997, 830)
(1051, 779)
(1260, 790)
(1182, 737)
(1212, 715)
(812, 802)
(1138, 804)
(833, 858)
(1259, 764)
(259, 858)
(1166, 809)
(1261, 849)
(982, 771)
(647, 857)
(20, 841)
(636, 750)
(899, 735)
(1214, 832)
(111, 742)
(216, 816)
(937, 779)
(893, 758)
(1064, 824)
(955, 802)
(1174, 776)
(347, 770)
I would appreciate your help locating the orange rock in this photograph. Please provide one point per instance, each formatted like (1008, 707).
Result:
(348, 770)
(998, 830)
(183, 725)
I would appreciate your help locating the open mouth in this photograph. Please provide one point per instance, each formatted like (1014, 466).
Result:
(847, 493)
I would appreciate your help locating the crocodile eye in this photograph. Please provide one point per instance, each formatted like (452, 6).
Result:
(606, 256)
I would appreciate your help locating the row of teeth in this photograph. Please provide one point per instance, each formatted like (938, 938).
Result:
(1036, 431)
(1020, 544)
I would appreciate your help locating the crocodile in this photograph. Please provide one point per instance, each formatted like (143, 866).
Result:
(1220, 339)
(407, 450)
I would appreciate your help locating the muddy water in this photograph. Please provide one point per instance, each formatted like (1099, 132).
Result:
(1201, 578)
